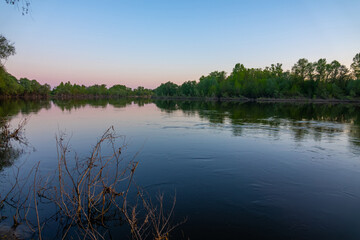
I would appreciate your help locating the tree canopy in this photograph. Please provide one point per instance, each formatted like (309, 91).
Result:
(6, 49)
(306, 79)
(356, 65)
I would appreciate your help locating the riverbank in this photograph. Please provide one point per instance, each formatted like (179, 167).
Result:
(25, 97)
(68, 97)
(94, 97)
(181, 98)
(243, 99)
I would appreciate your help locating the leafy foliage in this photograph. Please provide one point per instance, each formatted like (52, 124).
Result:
(356, 65)
(306, 80)
(6, 49)
(10, 86)
(69, 90)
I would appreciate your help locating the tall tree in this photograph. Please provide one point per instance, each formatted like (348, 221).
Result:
(310, 68)
(333, 70)
(299, 69)
(356, 65)
(320, 68)
(276, 70)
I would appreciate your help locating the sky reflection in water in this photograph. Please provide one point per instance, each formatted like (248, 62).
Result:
(239, 170)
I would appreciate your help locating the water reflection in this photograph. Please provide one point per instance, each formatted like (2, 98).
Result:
(302, 120)
(101, 103)
(9, 108)
(316, 120)
(239, 169)
(8, 156)
(10, 149)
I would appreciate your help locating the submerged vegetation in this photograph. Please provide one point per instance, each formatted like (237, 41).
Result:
(84, 197)
(8, 153)
(87, 192)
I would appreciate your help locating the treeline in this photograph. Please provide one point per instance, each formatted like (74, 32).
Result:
(74, 90)
(23, 87)
(305, 80)
(10, 86)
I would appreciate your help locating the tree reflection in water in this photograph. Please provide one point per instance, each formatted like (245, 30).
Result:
(12, 137)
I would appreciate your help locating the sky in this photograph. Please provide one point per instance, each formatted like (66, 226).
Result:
(149, 42)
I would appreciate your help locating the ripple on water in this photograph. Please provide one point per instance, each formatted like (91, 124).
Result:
(203, 159)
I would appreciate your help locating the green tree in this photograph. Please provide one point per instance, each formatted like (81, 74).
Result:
(334, 71)
(119, 90)
(276, 70)
(320, 68)
(189, 89)
(343, 74)
(6, 49)
(209, 86)
(300, 68)
(167, 89)
(356, 66)
(310, 68)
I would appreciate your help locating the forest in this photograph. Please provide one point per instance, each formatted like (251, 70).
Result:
(305, 80)
(311, 80)
(25, 88)
(318, 80)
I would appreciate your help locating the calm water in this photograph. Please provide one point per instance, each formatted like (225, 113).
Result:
(239, 170)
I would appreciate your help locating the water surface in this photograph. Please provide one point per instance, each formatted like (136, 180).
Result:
(239, 170)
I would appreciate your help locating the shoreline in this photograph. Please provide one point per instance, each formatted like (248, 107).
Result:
(178, 98)
(261, 100)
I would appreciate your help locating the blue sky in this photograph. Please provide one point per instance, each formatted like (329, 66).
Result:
(149, 42)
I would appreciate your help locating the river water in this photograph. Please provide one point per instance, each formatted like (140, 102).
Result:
(238, 170)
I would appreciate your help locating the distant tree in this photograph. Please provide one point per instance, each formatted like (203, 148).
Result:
(141, 91)
(343, 73)
(321, 68)
(209, 85)
(333, 70)
(6, 49)
(167, 89)
(299, 69)
(119, 90)
(356, 65)
(310, 68)
(189, 89)
(276, 70)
